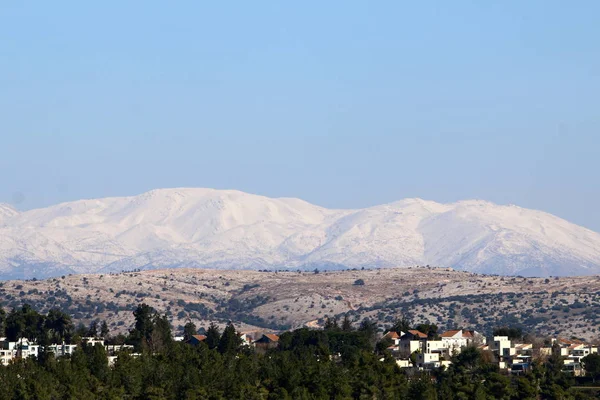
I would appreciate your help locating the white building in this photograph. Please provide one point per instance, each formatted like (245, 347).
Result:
(503, 346)
(428, 361)
(61, 350)
(92, 341)
(410, 346)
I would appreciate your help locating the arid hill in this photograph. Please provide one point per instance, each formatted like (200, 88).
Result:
(565, 306)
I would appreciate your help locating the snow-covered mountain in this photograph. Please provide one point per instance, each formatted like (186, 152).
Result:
(6, 212)
(232, 229)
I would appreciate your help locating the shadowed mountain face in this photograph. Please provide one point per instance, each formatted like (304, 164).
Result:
(230, 229)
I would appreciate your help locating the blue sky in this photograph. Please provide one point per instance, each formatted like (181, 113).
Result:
(344, 104)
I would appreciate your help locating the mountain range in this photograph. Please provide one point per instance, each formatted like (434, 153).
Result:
(226, 229)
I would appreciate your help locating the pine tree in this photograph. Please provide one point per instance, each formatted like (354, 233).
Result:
(213, 336)
(104, 331)
(59, 324)
(96, 356)
(346, 324)
(230, 342)
(331, 324)
(189, 330)
(33, 321)
(93, 329)
(591, 363)
(2, 321)
(143, 320)
(79, 332)
(15, 325)
(401, 325)
(161, 333)
(368, 328)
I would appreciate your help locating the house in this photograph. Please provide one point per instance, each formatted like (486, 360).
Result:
(436, 346)
(454, 340)
(566, 346)
(407, 347)
(195, 340)
(523, 353)
(394, 337)
(114, 356)
(502, 347)
(509, 354)
(457, 339)
(23, 348)
(61, 350)
(6, 356)
(577, 352)
(92, 341)
(7, 351)
(267, 341)
(245, 338)
(411, 341)
(113, 349)
(267, 338)
(474, 337)
(573, 368)
(414, 335)
(427, 361)
(573, 351)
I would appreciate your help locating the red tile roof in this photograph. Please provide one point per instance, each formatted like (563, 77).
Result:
(199, 337)
(449, 334)
(392, 335)
(418, 334)
(272, 337)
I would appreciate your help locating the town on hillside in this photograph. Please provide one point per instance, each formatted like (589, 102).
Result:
(46, 356)
(413, 349)
(426, 352)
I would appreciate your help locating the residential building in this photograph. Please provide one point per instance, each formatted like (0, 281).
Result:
(197, 339)
(267, 341)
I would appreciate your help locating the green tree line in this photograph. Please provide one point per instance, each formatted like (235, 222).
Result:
(338, 362)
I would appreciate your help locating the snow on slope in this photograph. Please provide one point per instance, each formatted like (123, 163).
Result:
(6, 212)
(232, 229)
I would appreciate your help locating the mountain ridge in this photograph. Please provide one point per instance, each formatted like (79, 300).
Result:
(210, 228)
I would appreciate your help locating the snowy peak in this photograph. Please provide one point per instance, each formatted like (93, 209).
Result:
(232, 229)
(6, 212)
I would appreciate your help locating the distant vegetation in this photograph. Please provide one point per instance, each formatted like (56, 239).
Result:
(550, 313)
(282, 300)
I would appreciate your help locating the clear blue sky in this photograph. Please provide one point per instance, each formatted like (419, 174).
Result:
(344, 104)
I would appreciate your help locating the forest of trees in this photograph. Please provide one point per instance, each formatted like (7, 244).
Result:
(339, 362)
(54, 327)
